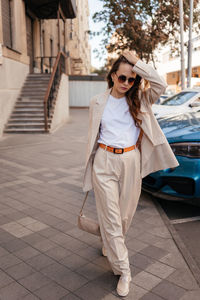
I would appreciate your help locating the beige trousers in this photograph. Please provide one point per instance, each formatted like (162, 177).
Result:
(117, 188)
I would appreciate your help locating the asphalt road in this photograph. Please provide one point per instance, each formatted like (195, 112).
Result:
(186, 220)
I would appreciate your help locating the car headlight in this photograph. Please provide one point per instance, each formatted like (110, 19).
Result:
(186, 149)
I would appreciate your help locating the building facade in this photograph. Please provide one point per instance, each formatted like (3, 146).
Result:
(78, 40)
(31, 35)
(170, 66)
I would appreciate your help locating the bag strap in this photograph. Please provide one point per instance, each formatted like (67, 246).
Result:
(84, 202)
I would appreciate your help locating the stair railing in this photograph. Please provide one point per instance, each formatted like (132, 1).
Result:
(58, 69)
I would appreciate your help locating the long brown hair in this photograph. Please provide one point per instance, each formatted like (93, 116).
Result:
(132, 94)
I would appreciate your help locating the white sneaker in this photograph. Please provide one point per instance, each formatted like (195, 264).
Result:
(104, 252)
(123, 285)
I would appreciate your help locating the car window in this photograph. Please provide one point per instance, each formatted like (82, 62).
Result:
(179, 98)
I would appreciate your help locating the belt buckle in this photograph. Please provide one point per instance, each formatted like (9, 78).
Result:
(116, 150)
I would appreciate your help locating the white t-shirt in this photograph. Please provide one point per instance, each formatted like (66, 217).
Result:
(117, 128)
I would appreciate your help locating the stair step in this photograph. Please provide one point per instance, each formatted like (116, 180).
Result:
(29, 105)
(26, 115)
(32, 101)
(33, 94)
(30, 88)
(25, 125)
(30, 98)
(24, 131)
(25, 121)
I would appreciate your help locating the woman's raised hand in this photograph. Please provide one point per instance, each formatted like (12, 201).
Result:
(130, 56)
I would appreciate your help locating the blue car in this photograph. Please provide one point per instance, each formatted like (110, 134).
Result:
(181, 183)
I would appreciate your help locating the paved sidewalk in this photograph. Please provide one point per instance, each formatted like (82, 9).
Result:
(43, 255)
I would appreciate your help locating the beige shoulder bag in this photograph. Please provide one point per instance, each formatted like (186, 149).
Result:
(88, 224)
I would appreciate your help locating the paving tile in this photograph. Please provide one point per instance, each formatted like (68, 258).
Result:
(61, 239)
(51, 292)
(5, 236)
(136, 245)
(36, 226)
(55, 271)
(108, 281)
(135, 292)
(26, 221)
(70, 296)
(160, 270)
(26, 253)
(34, 281)
(44, 245)
(191, 295)
(90, 271)
(72, 281)
(3, 252)
(8, 261)
(48, 232)
(89, 253)
(149, 238)
(30, 297)
(40, 261)
(146, 280)
(141, 261)
(168, 291)
(184, 279)
(151, 296)
(20, 271)
(88, 291)
(33, 238)
(13, 291)
(174, 260)
(154, 252)
(58, 253)
(64, 226)
(5, 279)
(168, 245)
(14, 245)
(161, 231)
(102, 262)
(73, 261)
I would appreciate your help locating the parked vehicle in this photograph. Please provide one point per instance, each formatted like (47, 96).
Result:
(185, 101)
(162, 99)
(183, 182)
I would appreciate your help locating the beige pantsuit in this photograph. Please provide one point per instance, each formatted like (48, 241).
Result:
(117, 187)
(116, 178)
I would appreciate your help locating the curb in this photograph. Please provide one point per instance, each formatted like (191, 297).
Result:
(179, 243)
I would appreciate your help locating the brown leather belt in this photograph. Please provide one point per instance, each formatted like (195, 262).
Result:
(122, 150)
(117, 150)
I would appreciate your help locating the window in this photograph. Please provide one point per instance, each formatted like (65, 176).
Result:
(7, 11)
(179, 98)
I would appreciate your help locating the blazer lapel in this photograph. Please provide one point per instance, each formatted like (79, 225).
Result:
(98, 111)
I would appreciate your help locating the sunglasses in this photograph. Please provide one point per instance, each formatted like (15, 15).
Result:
(123, 78)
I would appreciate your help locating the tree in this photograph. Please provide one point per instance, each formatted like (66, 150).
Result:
(142, 25)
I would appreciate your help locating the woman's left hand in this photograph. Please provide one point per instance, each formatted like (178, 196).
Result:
(130, 56)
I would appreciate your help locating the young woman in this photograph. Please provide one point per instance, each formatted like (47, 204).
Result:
(125, 143)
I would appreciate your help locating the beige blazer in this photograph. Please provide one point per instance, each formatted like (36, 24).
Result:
(156, 154)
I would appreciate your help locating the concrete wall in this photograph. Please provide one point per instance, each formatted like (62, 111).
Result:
(61, 112)
(12, 77)
(81, 91)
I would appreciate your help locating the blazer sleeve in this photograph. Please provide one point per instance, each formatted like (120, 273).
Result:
(157, 83)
